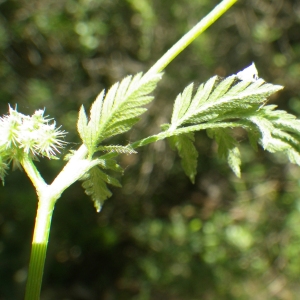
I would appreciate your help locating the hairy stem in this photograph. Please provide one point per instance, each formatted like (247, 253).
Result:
(189, 37)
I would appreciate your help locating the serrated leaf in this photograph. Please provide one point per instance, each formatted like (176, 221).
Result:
(118, 111)
(253, 136)
(234, 160)
(95, 186)
(94, 123)
(182, 103)
(277, 145)
(232, 104)
(109, 99)
(265, 127)
(220, 99)
(227, 148)
(109, 179)
(117, 149)
(124, 103)
(238, 100)
(120, 127)
(82, 124)
(204, 91)
(285, 135)
(109, 164)
(96, 108)
(293, 156)
(222, 88)
(184, 143)
(281, 119)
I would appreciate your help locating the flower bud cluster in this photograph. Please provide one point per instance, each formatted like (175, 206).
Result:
(33, 135)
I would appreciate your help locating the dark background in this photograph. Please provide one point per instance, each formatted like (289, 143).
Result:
(159, 237)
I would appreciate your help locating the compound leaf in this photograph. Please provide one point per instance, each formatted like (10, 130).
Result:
(238, 100)
(220, 99)
(118, 111)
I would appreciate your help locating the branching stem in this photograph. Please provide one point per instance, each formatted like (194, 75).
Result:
(39, 247)
(80, 163)
(33, 174)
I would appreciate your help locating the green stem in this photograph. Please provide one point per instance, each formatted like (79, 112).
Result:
(39, 247)
(48, 194)
(41, 229)
(73, 170)
(189, 37)
(169, 133)
(33, 174)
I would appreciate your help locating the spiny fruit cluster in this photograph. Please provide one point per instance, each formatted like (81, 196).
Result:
(27, 135)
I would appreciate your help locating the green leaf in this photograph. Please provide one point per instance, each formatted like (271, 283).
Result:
(227, 148)
(120, 127)
(293, 156)
(204, 91)
(220, 99)
(181, 104)
(118, 111)
(265, 127)
(234, 160)
(109, 164)
(109, 179)
(281, 119)
(236, 100)
(253, 136)
(117, 149)
(95, 185)
(283, 133)
(82, 125)
(94, 123)
(231, 105)
(184, 143)
(122, 104)
(221, 89)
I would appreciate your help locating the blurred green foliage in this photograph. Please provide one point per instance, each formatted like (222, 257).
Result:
(159, 237)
